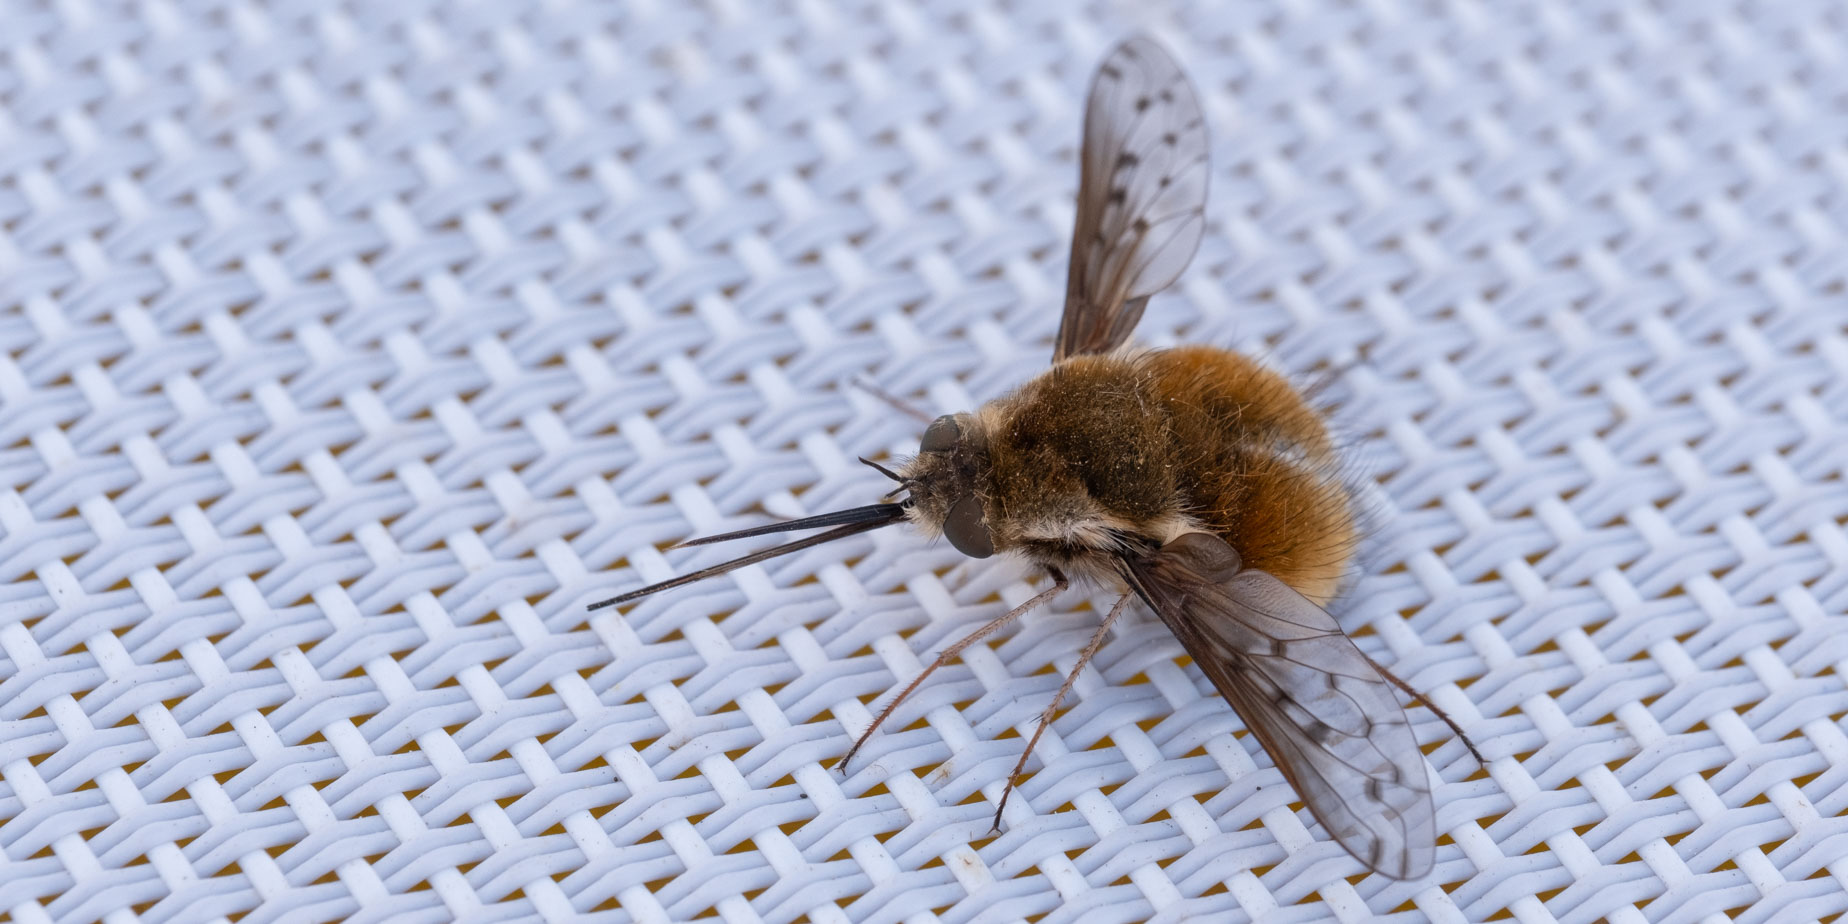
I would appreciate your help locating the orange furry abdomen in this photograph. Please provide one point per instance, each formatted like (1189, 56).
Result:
(1254, 463)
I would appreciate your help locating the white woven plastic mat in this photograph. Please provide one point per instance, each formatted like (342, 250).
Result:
(347, 350)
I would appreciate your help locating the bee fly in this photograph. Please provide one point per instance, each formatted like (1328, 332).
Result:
(1192, 478)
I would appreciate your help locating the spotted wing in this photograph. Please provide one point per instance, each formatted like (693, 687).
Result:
(1141, 195)
(1329, 720)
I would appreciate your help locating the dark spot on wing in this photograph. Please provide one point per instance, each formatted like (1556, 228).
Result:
(1320, 732)
(1142, 103)
(1141, 226)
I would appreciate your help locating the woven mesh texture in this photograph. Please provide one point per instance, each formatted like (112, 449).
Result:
(347, 350)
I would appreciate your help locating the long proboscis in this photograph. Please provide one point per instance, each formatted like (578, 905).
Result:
(873, 513)
(845, 522)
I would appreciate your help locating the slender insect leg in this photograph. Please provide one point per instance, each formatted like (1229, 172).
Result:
(1420, 699)
(889, 398)
(1058, 583)
(1097, 641)
(1326, 379)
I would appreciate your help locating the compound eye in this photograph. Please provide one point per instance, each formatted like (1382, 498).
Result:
(941, 435)
(967, 530)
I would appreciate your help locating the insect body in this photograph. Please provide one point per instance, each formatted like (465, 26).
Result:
(1190, 478)
(1107, 456)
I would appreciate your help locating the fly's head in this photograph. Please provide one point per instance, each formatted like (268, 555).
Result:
(948, 481)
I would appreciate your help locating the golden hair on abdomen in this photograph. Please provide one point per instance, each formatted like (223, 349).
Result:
(1256, 465)
(1194, 432)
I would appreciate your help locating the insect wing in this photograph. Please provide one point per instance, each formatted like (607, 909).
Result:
(1141, 195)
(1328, 719)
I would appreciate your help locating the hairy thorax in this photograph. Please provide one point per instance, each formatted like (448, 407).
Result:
(1102, 454)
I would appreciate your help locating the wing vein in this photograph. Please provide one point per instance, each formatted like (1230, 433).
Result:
(1143, 166)
(1330, 722)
